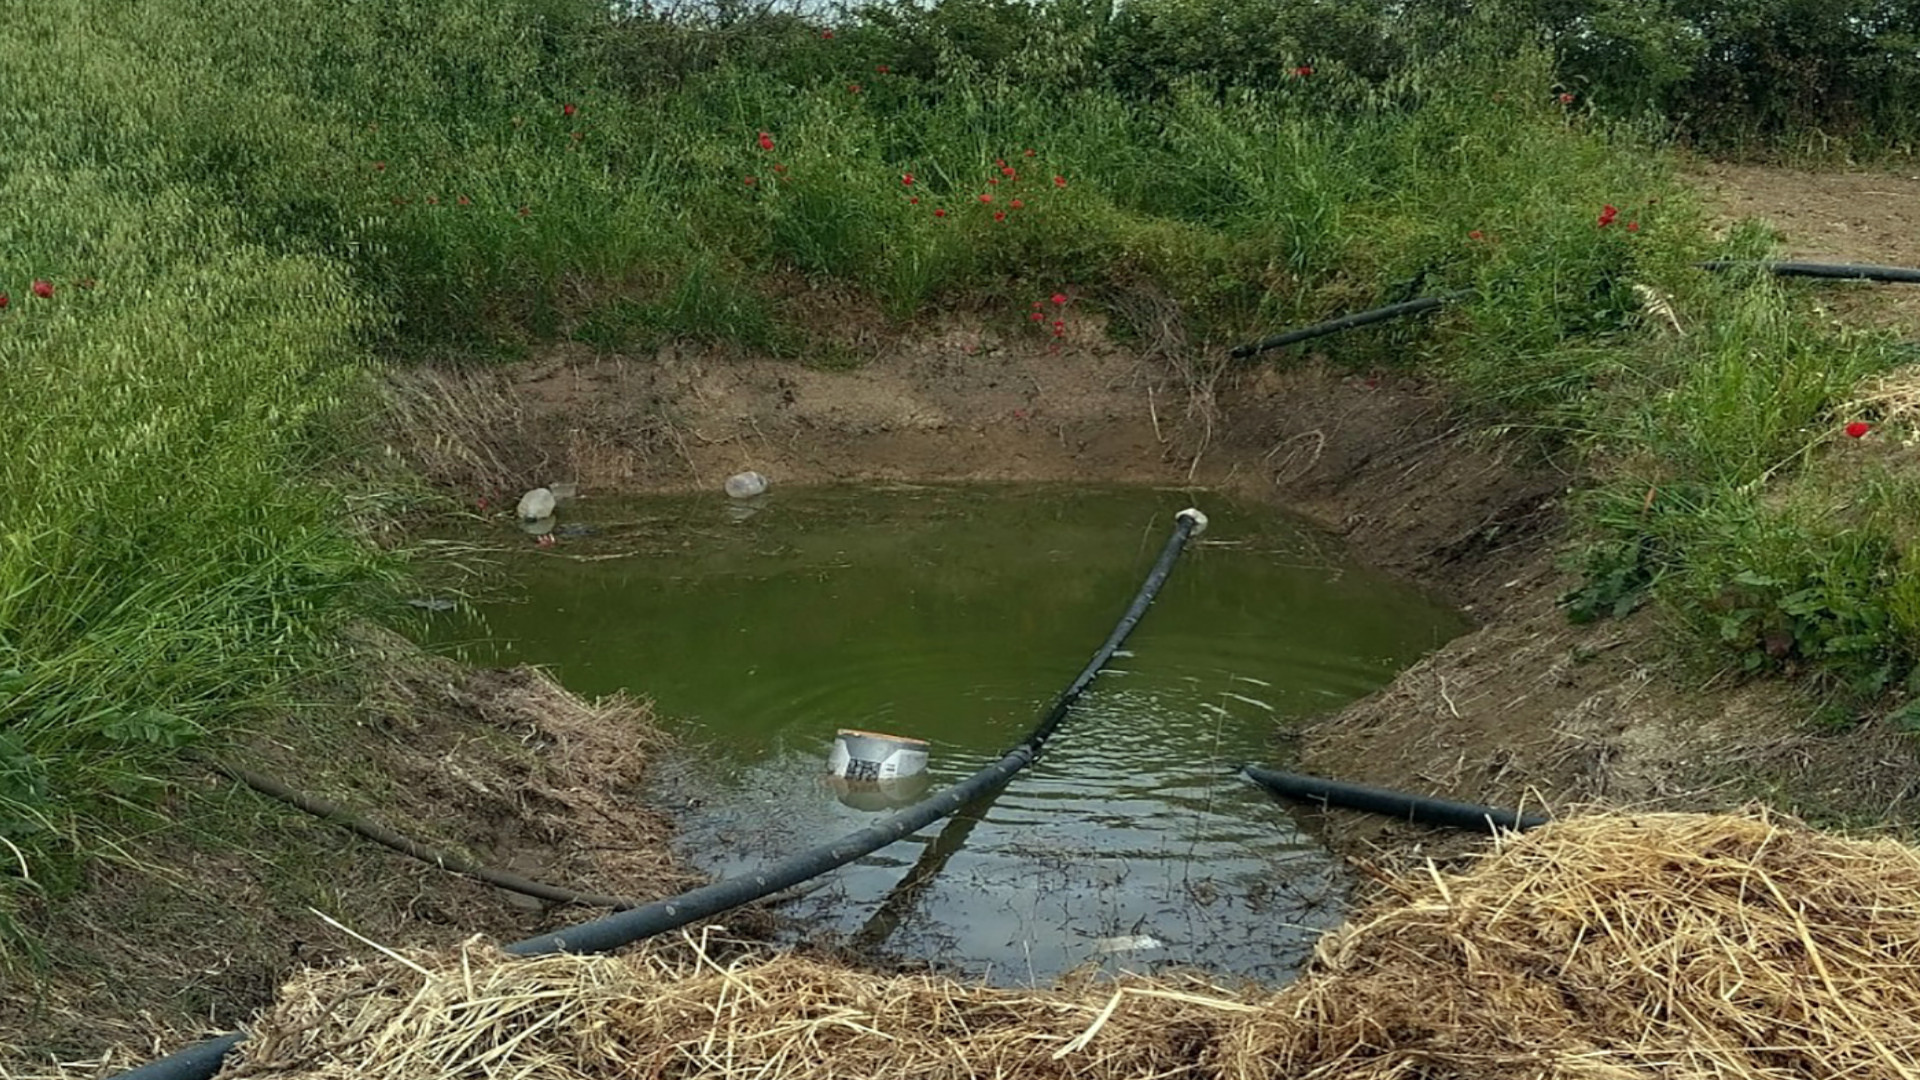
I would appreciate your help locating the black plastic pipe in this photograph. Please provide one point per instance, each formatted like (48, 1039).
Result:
(1846, 271)
(203, 1060)
(1349, 322)
(1843, 271)
(1418, 809)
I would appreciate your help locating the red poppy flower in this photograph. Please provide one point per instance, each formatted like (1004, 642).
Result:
(43, 288)
(4, 301)
(915, 201)
(999, 163)
(826, 35)
(750, 181)
(1476, 235)
(1029, 151)
(939, 213)
(464, 201)
(568, 109)
(1059, 324)
(853, 88)
(1037, 317)
(1858, 428)
(907, 179)
(986, 196)
(766, 141)
(1059, 181)
(999, 215)
(1633, 226)
(1566, 99)
(881, 68)
(994, 180)
(1607, 214)
(1303, 70)
(1007, 171)
(1059, 298)
(1036, 305)
(1016, 204)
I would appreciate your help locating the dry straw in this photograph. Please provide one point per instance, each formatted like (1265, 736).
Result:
(1602, 948)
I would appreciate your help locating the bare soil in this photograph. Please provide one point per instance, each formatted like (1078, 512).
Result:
(1868, 217)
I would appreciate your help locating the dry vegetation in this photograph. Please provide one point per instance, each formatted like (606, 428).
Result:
(1665, 945)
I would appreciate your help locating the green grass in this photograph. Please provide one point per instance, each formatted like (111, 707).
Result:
(242, 204)
(1726, 487)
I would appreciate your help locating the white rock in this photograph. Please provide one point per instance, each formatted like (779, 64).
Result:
(746, 485)
(536, 505)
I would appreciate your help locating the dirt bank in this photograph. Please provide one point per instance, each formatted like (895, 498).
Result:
(1374, 458)
(202, 921)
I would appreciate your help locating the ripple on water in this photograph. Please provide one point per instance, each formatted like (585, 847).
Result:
(955, 615)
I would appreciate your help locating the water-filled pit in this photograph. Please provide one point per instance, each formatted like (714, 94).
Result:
(956, 615)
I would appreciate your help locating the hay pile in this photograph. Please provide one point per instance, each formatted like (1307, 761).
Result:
(1668, 945)
(1603, 948)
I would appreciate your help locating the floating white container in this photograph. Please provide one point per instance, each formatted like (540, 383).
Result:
(871, 755)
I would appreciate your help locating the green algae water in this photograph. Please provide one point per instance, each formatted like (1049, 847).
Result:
(956, 615)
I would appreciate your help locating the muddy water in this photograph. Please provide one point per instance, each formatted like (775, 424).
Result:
(955, 615)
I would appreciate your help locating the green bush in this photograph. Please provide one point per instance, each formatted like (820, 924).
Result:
(1806, 75)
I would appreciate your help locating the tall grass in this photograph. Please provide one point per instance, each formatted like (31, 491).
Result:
(171, 553)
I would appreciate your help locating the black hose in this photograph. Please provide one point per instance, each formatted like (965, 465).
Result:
(202, 1061)
(1843, 271)
(1349, 322)
(197, 1062)
(1418, 809)
(380, 834)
